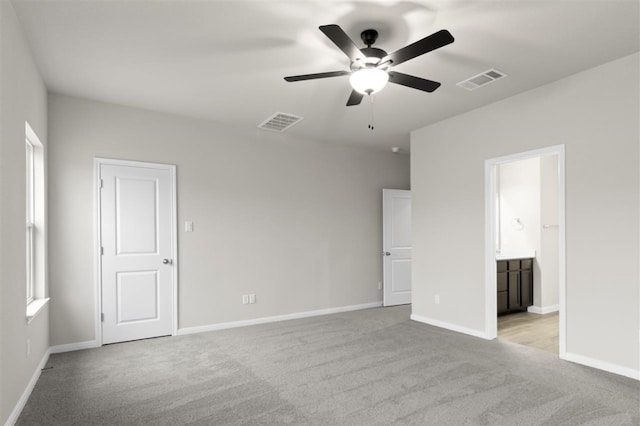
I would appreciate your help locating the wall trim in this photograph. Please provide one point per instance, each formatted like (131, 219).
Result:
(17, 410)
(70, 347)
(601, 365)
(446, 325)
(543, 309)
(276, 318)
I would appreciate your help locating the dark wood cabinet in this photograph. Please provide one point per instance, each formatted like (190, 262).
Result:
(515, 285)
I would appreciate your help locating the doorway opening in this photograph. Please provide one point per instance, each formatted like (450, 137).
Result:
(525, 248)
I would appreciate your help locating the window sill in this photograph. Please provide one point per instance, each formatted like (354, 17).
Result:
(35, 307)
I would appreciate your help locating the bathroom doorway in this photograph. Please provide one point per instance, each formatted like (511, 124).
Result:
(525, 248)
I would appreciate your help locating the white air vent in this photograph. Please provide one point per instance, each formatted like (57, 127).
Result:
(482, 79)
(279, 122)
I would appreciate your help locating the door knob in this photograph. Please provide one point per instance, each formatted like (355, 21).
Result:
(166, 261)
(386, 253)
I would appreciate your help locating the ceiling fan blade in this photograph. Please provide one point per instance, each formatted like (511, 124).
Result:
(342, 40)
(420, 47)
(412, 81)
(317, 75)
(355, 98)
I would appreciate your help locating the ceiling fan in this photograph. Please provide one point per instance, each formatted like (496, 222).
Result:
(370, 66)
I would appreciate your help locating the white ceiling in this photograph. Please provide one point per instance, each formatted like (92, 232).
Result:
(225, 60)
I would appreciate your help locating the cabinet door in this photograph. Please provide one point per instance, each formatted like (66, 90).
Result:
(527, 287)
(503, 305)
(502, 281)
(514, 289)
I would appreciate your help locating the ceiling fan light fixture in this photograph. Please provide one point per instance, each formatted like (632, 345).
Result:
(370, 66)
(369, 80)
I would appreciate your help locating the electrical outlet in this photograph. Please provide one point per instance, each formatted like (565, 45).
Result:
(245, 299)
(188, 226)
(436, 299)
(379, 285)
(252, 298)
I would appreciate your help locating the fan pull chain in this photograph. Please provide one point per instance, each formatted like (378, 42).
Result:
(371, 103)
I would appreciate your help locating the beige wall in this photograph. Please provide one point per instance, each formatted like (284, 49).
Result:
(599, 124)
(22, 98)
(295, 222)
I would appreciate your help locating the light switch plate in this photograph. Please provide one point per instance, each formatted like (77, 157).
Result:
(188, 226)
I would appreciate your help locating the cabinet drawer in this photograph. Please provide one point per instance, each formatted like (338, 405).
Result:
(502, 265)
(514, 264)
(502, 281)
(527, 264)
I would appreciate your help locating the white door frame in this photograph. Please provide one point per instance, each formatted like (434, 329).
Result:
(97, 163)
(491, 320)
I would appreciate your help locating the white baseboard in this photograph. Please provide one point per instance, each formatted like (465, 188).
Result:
(13, 417)
(89, 344)
(601, 365)
(265, 320)
(449, 326)
(543, 309)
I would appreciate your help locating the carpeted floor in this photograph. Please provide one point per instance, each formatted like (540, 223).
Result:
(373, 366)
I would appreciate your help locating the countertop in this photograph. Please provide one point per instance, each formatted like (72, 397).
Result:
(506, 254)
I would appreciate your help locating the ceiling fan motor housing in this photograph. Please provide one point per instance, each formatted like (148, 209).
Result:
(372, 58)
(372, 54)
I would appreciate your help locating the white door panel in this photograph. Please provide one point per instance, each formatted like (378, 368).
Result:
(401, 220)
(400, 275)
(396, 241)
(136, 207)
(136, 235)
(137, 296)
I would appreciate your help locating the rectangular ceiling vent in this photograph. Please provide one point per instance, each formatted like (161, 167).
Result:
(482, 79)
(279, 122)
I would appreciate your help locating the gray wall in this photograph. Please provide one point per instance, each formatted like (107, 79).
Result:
(22, 98)
(599, 124)
(295, 222)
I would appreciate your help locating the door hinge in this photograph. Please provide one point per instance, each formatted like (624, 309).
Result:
(101, 183)
(101, 251)
(102, 317)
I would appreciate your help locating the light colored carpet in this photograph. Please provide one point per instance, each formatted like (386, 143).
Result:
(358, 368)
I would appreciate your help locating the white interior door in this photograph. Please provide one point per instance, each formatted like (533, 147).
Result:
(396, 246)
(137, 224)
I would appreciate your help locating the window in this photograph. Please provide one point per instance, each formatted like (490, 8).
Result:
(35, 224)
(30, 208)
